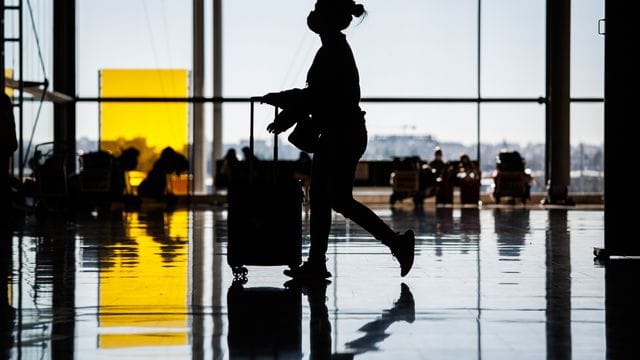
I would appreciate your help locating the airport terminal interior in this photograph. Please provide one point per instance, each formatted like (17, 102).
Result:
(148, 212)
(492, 283)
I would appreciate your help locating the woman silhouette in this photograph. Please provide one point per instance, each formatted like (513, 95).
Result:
(331, 97)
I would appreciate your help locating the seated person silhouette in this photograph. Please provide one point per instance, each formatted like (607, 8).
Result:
(229, 163)
(437, 164)
(103, 176)
(246, 152)
(155, 184)
(245, 166)
(468, 179)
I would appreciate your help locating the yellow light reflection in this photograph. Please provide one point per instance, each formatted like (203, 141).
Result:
(150, 292)
(118, 341)
(150, 127)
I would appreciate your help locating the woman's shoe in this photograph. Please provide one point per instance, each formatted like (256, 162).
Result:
(309, 271)
(403, 248)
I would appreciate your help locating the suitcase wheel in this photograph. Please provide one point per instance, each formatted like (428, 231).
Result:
(239, 274)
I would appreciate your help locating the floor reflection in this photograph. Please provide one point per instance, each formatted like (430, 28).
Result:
(143, 283)
(264, 322)
(376, 331)
(558, 286)
(511, 227)
(7, 311)
(495, 283)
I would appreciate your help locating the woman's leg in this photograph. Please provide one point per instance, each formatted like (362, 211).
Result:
(341, 190)
(332, 178)
(320, 220)
(341, 187)
(343, 202)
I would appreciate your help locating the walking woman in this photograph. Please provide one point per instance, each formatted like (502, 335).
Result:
(332, 97)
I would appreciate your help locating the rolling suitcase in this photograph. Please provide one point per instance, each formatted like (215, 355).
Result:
(264, 213)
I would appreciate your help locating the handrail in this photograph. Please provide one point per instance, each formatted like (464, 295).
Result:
(217, 99)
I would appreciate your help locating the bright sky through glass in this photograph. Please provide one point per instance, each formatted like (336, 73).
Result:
(413, 48)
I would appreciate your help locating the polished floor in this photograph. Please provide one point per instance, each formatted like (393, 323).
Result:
(504, 283)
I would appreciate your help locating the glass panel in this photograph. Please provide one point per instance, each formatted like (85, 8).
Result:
(87, 126)
(37, 129)
(587, 147)
(519, 127)
(587, 49)
(513, 48)
(130, 34)
(401, 129)
(421, 48)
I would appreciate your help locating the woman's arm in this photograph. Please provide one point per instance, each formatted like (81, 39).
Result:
(297, 100)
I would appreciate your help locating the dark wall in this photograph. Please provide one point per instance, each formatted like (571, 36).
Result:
(621, 109)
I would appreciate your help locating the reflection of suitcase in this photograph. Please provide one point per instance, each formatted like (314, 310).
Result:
(264, 323)
(264, 215)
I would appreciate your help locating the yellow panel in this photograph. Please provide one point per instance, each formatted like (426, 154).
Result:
(8, 73)
(150, 127)
(116, 341)
(150, 290)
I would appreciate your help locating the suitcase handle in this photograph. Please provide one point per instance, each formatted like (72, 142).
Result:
(253, 100)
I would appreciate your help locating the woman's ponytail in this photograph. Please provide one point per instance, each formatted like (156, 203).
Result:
(357, 10)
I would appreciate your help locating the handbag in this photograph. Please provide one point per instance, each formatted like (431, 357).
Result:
(305, 136)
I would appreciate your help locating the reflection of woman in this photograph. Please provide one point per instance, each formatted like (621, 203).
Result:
(331, 97)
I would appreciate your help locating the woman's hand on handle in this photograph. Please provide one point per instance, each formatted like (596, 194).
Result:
(282, 122)
(273, 98)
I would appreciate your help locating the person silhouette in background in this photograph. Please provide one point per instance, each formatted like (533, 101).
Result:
(247, 154)
(302, 173)
(437, 163)
(332, 97)
(229, 163)
(468, 179)
(8, 144)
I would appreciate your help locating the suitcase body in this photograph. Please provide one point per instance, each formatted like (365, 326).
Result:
(264, 220)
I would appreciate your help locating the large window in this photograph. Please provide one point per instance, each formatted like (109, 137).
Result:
(438, 51)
